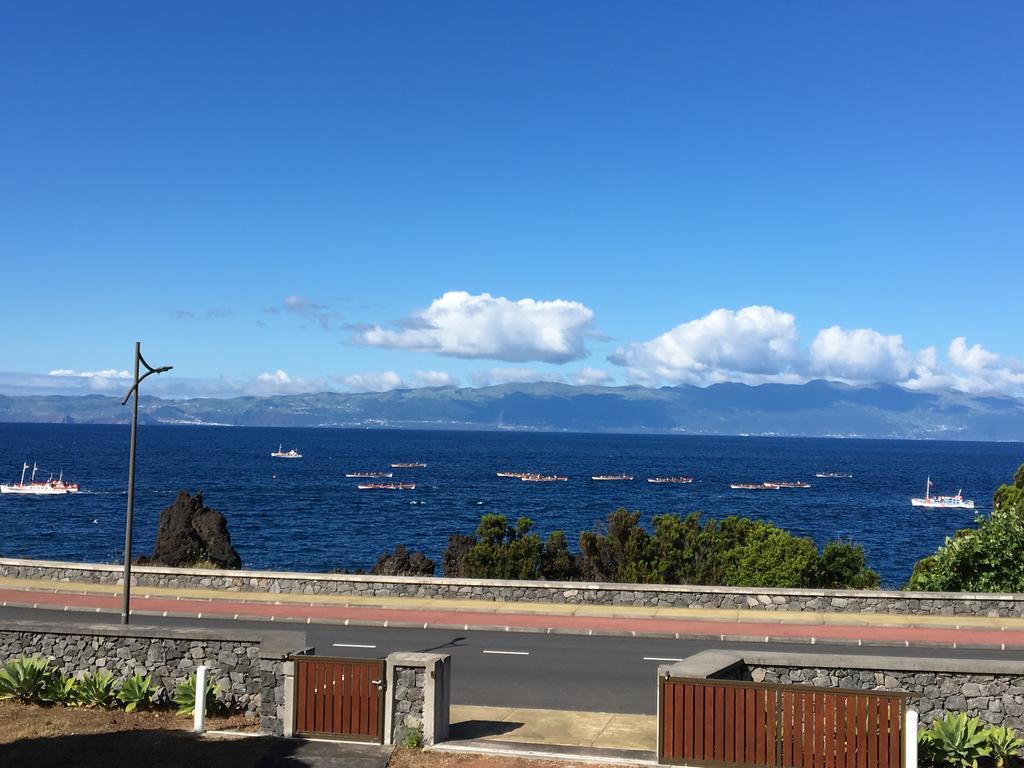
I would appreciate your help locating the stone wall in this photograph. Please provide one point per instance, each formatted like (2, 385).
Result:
(991, 690)
(247, 667)
(643, 595)
(409, 685)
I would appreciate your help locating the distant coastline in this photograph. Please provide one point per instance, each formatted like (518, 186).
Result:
(815, 409)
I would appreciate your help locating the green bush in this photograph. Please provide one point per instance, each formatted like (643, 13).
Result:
(412, 738)
(96, 689)
(955, 740)
(24, 678)
(60, 689)
(185, 695)
(1003, 742)
(136, 691)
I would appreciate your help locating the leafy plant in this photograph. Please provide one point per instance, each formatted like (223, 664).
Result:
(955, 740)
(60, 689)
(185, 695)
(412, 738)
(1003, 742)
(96, 689)
(24, 678)
(136, 691)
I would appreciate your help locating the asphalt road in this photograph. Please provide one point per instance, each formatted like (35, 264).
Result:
(520, 669)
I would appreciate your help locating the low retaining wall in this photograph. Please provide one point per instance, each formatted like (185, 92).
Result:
(249, 668)
(641, 595)
(990, 690)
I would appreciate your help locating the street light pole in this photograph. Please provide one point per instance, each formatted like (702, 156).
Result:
(131, 474)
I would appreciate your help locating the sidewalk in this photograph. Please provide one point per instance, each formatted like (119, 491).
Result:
(695, 623)
(619, 737)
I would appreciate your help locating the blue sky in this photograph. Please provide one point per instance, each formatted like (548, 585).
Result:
(328, 195)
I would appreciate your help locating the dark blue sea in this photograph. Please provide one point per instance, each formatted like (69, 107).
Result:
(305, 515)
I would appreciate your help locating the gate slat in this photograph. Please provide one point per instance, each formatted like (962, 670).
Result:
(729, 726)
(680, 720)
(685, 714)
(719, 722)
(364, 700)
(376, 674)
(895, 733)
(828, 743)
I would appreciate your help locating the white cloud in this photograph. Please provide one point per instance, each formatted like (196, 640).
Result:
(459, 324)
(434, 379)
(494, 376)
(754, 344)
(106, 380)
(860, 355)
(590, 377)
(984, 372)
(280, 383)
(372, 381)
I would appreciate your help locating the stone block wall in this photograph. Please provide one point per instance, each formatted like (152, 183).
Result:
(409, 685)
(249, 673)
(641, 595)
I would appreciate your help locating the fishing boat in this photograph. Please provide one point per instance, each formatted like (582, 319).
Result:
(517, 475)
(283, 454)
(611, 477)
(942, 502)
(409, 465)
(386, 486)
(370, 475)
(532, 478)
(51, 487)
(666, 480)
(833, 475)
(753, 487)
(787, 484)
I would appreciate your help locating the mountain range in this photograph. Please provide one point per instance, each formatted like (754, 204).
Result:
(814, 409)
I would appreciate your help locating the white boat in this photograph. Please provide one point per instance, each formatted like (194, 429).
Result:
(409, 465)
(606, 478)
(664, 480)
(369, 475)
(942, 502)
(833, 475)
(50, 487)
(282, 454)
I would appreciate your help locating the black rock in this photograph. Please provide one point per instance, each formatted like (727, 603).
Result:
(189, 533)
(403, 563)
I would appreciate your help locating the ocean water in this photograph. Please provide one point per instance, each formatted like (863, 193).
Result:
(306, 515)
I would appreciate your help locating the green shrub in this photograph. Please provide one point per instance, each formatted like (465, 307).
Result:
(185, 695)
(1003, 742)
(96, 689)
(25, 678)
(412, 738)
(60, 689)
(136, 691)
(956, 740)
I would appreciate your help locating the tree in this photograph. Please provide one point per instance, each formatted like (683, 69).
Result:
(842, 566)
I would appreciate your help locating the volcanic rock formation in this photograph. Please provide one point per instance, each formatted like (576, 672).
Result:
(190, 534)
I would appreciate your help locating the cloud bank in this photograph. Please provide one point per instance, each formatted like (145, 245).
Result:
(460, 324)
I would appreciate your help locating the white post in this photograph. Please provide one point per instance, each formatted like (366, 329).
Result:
(910, 739)
(199, 711)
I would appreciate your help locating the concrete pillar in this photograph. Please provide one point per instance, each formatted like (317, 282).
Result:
(289, 699)
(910, 739)
(436, 693)
(199, 710)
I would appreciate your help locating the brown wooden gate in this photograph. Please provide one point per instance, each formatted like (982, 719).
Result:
(339, 698)
(737, 723)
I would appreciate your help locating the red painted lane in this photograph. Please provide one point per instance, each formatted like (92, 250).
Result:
(497, 620)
